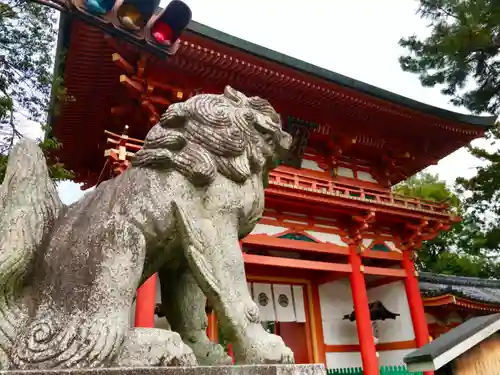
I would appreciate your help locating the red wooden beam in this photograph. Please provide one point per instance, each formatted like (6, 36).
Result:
(329, 277)
(439, 301)
(296, 263)
(392, 255)
(123, 64)
(263, 240)
(131, 84)
(380, 271)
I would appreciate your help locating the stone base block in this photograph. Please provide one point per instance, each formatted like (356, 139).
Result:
(313, 369)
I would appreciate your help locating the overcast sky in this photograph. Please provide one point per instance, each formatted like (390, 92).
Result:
(357, 38)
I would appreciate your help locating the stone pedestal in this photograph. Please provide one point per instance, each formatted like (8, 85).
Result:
(313, 369)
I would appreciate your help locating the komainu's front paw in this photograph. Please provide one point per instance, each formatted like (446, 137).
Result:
(145, 347)
(210, 354)
(261, 347)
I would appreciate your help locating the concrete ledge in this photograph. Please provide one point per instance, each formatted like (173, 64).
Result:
(314, 369)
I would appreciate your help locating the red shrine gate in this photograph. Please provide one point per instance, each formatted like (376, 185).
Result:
(331, 227)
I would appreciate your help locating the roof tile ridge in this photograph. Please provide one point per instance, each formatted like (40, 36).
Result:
(436, 278)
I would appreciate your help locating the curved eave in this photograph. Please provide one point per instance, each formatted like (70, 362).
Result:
(339, 79)
(217, 36)
(84, 66)
(447, 299)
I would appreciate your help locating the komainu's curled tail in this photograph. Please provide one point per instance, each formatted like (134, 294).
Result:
(29, 205)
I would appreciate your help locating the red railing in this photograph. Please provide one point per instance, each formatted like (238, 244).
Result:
(330, 187)
(295, 179)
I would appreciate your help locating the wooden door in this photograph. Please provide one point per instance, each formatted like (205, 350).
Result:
(294, 336)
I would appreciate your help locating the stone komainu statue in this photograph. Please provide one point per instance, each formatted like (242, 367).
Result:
(68, 275)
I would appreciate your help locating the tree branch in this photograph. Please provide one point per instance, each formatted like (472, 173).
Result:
(59, 5)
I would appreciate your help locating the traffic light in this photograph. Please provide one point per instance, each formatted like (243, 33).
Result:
(142, 19)
(166, 28)
(99, 7)
(134, 14)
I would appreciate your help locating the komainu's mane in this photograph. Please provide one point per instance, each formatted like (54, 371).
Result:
(213, 133)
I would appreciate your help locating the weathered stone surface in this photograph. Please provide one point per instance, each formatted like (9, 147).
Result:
(68, 275)
(314, 369)
(147, 345)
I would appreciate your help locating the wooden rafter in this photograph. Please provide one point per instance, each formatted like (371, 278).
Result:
(358, 224)
(144, 89)
(122, 63)
(423, 231)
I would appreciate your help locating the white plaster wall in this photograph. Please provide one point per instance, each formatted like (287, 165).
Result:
(393, 357)
(393, 297)
(345, 172)
(310, 164)
(270, 230)
(336, 301)
(391, 245)
(327, 237)
(365, 176)
(343, 360)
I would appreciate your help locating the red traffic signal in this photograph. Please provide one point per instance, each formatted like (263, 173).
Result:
(166, 27)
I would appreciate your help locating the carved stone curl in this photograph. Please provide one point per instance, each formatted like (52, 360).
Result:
(68, 275)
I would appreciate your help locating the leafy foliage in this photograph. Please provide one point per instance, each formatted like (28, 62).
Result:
(428, 186)
(483, 200)
(461, 55)
(27, 39)
(459, 251)
(461, 50)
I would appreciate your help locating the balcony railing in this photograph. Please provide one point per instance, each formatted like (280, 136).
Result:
(124, 147)
(296, 180)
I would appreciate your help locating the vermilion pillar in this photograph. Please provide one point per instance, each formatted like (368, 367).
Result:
(415, 303)
(145, 302)
(212, 327)
(362, 313)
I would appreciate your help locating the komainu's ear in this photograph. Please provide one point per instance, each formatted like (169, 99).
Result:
(161, 137)
(234, 96)
(174, 117)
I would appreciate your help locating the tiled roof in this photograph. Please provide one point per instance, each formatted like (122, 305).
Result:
(472, 288)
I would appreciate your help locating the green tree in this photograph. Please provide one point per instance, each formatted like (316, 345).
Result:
(461, 55)
(458, 251)
(428, 186)
(27, 39)
(460, 52)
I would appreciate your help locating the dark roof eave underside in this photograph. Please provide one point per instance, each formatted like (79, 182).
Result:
(302, 66)
(471, 288)
(339, 79)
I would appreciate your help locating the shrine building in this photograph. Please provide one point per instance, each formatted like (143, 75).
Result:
(330, 264)
(451, 300)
